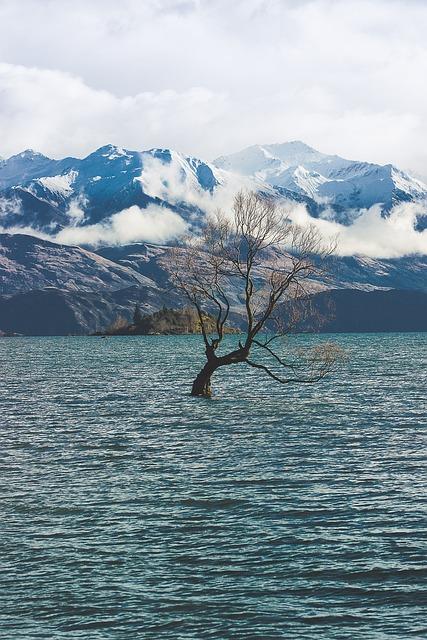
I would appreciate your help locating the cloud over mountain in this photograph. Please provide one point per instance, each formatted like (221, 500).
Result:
(153, 224)
(371, 234)
(115, 196)
(209, 76)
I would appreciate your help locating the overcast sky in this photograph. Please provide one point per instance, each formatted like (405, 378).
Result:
(209, 77)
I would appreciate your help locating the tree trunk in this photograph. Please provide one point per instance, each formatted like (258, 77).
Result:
(202, 383)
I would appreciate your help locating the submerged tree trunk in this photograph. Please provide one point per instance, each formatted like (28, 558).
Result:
(202, 383)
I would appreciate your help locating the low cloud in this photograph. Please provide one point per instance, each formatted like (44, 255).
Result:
(9, 206)
(76, 209)
(371, 234)
(154, 224)
(175, 183)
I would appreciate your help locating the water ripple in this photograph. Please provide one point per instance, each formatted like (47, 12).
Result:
(131, 510)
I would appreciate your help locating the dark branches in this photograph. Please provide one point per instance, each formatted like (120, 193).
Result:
(263, 268)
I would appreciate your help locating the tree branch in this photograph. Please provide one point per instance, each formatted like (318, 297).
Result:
(285, 380)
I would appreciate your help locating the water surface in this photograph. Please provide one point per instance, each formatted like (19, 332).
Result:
(130, 510)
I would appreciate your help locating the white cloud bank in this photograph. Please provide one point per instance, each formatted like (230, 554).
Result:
(211, 76)
(153, 224)
(58, 114)
(372, 235)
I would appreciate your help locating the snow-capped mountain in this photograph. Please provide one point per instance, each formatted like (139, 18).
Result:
(341, 187)
(46, 287)
(48, 195)
(270, 159)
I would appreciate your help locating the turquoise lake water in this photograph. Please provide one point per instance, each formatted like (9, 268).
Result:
(130, 510)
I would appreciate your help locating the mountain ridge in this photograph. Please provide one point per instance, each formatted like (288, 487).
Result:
(342, 184)
(52, 288)
(49, 195)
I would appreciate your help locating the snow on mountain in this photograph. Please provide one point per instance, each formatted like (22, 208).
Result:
(40, 194)
(269, 160)
(165, 170)
(273, 157)
(28, 165)
(253, 161)
(48, 195)
(302, 181)
(60, 185)
(339, 185)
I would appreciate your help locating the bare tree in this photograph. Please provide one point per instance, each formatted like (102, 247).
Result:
(268, 261)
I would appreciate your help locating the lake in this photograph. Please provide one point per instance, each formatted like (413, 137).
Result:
(131, 510)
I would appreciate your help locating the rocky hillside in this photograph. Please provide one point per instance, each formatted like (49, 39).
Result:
(47, 288)
(355, 272)
(27, 262)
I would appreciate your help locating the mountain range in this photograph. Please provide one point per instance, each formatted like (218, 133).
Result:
(48, 195)
(49, 287)
(329, 181)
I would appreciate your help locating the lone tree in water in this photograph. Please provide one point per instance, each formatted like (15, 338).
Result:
(258, 258)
